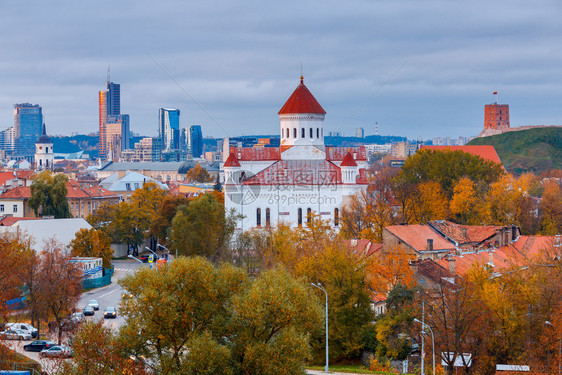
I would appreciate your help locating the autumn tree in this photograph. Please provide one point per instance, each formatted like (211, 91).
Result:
(551, 208)
(202, 228)
(447, 168)
(465, 204)
(59, 284)
(389, 268)
(433, 202)
(166, 211)
(198, 174)
(97, 350)
(182, 314)
(92, 243)
(48, 195)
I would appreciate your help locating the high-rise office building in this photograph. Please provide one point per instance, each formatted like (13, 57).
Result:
(7, 139)
(114, 127)
(28, 127)
(169, 128)
(195, 143)
(184, 139)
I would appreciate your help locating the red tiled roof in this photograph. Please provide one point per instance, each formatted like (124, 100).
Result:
(232, 161)
(8, 221)
(21, 192)
(433, 271)
(298, 172)
(339, 153)
(255, 153)
(525, 247)
(99, 192)
(363, 247)
(463, 234)
(301, 101)
(486, 152)
(416, 236)
(348, 161)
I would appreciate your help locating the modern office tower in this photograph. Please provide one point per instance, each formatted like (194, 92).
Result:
(169, 128)
(109, 111)
(117, 135)
(360, 133)
(7, 139)
(195, 143)
(28, 126)
(184, 139)
(496, 116)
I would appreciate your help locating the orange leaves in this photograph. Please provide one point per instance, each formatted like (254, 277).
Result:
(388, 269)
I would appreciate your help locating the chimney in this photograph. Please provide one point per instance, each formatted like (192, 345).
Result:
(451, 261)
(429, 244)
(491, 258)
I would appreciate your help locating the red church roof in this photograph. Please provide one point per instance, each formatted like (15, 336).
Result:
(348, 161)
(302, 101)
(232, 161)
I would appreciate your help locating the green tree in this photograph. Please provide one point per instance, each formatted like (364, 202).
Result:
(198, 174)
(48, 195)
(180, 315)
(202, 228)
(92, 243)
(166, 211)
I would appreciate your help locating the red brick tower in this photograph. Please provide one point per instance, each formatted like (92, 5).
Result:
(496, 116)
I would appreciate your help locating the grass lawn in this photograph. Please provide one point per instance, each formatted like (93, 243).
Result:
(9, 357)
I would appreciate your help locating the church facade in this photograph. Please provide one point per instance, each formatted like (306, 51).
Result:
(297, 180)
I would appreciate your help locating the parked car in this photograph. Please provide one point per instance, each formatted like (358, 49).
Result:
(77, 317)
(26, 327)
(38, 345)
(110, 312)
(57, 351)
(94, 304)
(15, 334)
(88, 311)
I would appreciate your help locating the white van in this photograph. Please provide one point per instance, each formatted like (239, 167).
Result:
(25, 327)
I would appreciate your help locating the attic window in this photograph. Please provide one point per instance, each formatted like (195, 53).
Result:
(128, 186)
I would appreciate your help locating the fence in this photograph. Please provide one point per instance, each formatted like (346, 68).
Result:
(100, 281)
(16, 303)
(27, 368)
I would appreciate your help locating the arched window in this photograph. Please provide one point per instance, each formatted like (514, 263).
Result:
(311, 135)
(317, 132)
(258, 217)
(268, 217)
(303, 134)
(288, 133)
(336, 217)
(309, 216)
(295, 133)
(299, 217)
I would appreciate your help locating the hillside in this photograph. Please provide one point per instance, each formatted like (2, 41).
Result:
(532, 150)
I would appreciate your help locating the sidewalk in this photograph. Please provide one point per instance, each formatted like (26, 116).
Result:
(317, 372)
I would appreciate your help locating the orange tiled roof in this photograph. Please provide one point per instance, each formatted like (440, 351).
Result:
(486, 152)
(302, 101)
(339, 153)
(8, 221)
(416, 236)
(21, 192)
(463, 234)
(255, 153)
(516, 253)
(363, 247)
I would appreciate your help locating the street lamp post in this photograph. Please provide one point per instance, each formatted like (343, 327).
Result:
(135, 258)
(319, 286)
(432, 339)
(168, 250)
(559, 349)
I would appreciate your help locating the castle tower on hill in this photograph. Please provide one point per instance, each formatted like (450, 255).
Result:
(496, 116)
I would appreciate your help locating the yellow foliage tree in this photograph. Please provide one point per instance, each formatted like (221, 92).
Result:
(465, 204)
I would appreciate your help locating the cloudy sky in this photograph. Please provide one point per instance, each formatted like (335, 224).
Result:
(419, 69)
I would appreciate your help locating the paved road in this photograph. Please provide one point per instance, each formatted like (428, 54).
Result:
(111, 295)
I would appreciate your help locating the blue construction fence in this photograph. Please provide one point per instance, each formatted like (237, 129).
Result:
(99, 281)
(16, 303)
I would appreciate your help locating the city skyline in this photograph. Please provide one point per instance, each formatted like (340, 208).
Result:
(418, 70)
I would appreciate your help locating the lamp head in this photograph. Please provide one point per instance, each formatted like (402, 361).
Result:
(417, 320)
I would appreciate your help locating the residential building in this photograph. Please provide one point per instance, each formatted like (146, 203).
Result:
(124, 184)
(360, 133)
(195, 144)
(169, 128)
(28, 126)
(302, 177)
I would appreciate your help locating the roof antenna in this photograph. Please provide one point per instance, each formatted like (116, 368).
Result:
(302, 75)
(108, 73)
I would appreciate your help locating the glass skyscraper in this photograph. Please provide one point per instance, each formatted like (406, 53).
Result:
(195, 143)
(169, 128)
(112, 121)
(28, 127)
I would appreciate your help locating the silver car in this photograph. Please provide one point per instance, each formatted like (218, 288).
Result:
(94, 304)
(15, 334)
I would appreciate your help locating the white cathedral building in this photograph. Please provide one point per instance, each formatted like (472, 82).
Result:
(302, 177)
(44, 155)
